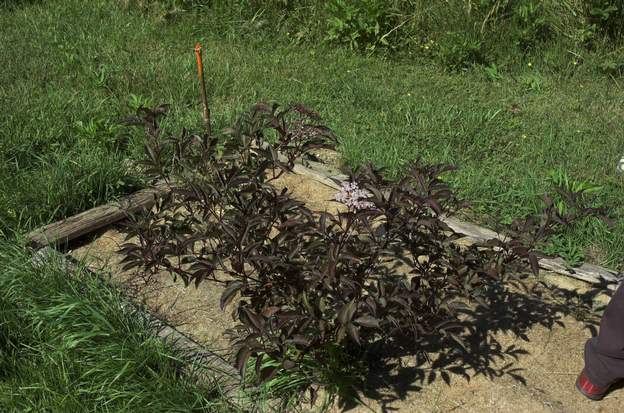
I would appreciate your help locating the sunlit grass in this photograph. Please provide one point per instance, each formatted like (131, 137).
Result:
(68, 344)
(62, 151)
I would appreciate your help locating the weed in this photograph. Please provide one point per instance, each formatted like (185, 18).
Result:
(365, 24)
(492, 72)
(612, 67)
(532, 82)
(565, 248)
(606, 16)
(533, 24)
(460, 51)
(563, 183)
(136, 101)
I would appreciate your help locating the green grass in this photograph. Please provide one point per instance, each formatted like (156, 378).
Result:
(68, 345)
(73, 77)
(73, 69)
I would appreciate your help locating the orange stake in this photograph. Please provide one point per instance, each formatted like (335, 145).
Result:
(202, 87)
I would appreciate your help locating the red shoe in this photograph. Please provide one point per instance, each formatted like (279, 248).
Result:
(588, 389)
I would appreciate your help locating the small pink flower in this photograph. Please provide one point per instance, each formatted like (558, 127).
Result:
(353, 197)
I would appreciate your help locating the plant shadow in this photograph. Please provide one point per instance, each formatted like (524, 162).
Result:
(406, 366)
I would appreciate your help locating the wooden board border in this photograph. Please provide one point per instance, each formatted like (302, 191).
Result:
(96, 218)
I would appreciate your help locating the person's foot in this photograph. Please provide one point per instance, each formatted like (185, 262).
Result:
(588, 389)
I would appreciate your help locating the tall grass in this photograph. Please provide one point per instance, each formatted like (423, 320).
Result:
(69, 345)
(501, 32)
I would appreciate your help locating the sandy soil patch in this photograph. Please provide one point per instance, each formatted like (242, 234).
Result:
(552, 354)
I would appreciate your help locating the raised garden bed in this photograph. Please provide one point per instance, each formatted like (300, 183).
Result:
(547, 354)
(66, 230)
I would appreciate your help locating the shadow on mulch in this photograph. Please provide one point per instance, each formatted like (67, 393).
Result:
(402, 367)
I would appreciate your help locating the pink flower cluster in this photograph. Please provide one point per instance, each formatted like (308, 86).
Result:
(353, 197)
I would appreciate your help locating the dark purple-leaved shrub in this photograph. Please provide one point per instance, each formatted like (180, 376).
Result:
(302, 283)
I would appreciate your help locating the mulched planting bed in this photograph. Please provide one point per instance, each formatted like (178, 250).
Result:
(548, 349)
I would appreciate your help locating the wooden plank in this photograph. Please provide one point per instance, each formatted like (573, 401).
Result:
(472, 231)
(317, 176)
(63, 231)
(325, 170)
(586, 272)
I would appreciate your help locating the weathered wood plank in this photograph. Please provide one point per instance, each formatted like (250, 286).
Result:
(317, 176)
(472, 231)
(63, 231)
(586, 272)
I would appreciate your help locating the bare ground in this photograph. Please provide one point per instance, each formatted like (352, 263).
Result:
(550, 343)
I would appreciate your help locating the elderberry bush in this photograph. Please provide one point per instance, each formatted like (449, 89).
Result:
(305, 287)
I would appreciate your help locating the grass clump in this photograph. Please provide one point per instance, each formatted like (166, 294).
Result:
(69, 345)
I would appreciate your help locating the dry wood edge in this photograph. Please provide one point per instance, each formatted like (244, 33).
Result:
(199, 363)
(68, 229)
(63, 231)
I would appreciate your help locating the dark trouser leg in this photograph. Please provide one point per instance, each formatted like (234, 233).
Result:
(604, 354)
